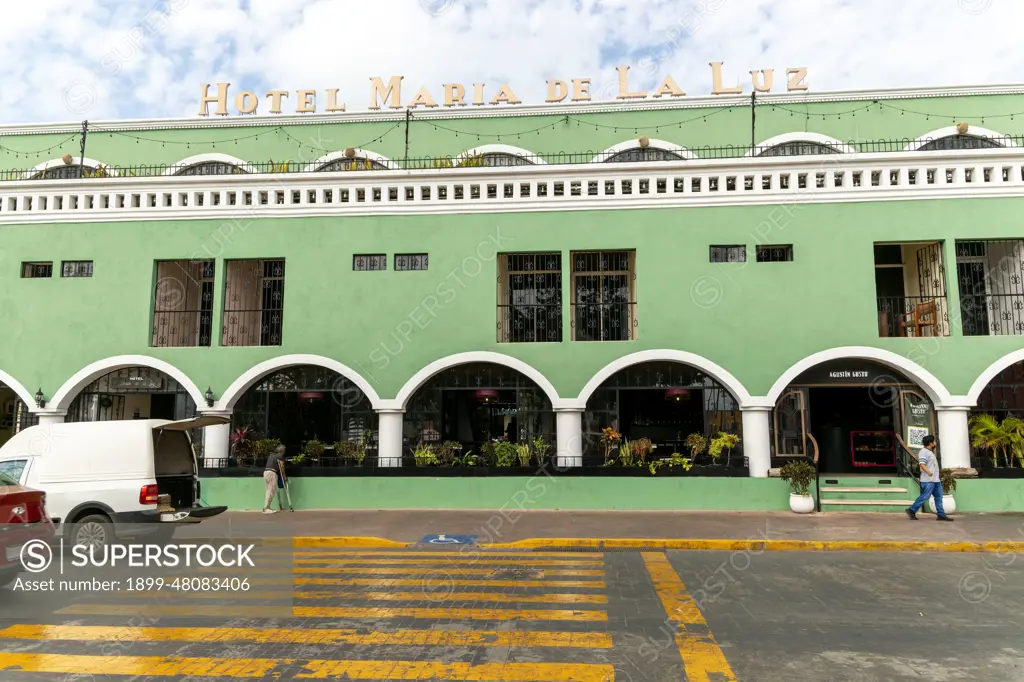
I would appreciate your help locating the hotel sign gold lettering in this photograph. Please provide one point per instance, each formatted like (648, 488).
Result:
(389, 94)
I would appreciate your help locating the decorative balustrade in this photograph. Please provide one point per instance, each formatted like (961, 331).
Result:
(693, 182)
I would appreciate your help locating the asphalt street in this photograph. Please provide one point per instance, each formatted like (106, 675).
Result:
(545, 616)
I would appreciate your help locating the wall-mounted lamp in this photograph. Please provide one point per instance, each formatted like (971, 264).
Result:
(40, 398)
(209, 396)
(67, 159)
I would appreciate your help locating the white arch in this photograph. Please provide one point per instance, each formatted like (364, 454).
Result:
(77, 160)
(951, 131)
(421, 377)
(253, 374)
(818, 138)
(925, 379)
(19, 390)
(719, 374)
(498, 149)
(991, 372)
(360, 154)
(635, 144)
(212, 157)
(69, 391)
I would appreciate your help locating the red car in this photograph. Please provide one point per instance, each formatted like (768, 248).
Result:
(22, 519)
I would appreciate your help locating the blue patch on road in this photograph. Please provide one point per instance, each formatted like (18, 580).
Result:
(445, 539)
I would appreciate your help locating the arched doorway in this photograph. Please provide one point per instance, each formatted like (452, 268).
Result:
(14, 413)
(304, 403)
(474, 404)
(856, 411)
(132, 393)
(1001, 398)
(664, 402)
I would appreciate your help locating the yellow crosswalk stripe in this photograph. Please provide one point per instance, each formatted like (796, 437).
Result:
(101, 633)
(438, 570)
(526, 556)
(419, 582)
(448, 562)
(233, 611)
(703, 659)
(166, 666)
(437, 597)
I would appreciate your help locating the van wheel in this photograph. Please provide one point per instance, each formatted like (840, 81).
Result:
(93, 531)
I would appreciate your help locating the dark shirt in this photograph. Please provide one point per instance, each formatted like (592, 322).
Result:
(272, 462)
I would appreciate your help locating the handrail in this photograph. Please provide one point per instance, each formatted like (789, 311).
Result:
(817, 474)
(901, 461)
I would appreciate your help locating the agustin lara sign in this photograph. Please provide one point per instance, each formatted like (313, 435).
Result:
(389, 94)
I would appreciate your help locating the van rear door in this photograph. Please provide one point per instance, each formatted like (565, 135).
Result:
(177, 470)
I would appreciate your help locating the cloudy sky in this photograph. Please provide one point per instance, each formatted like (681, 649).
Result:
(66, 60)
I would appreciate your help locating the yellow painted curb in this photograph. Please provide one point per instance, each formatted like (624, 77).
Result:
(693, 544)
(347, 541)
(761, 545)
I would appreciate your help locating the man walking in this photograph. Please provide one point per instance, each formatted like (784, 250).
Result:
(270, 475)
(931, 484)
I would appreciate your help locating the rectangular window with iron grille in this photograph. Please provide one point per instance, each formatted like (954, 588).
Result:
(604, 296)
(253, 303)
(777, 253)
(183, 304)
(369, 262)
(910, 289)
(36, 270)
(990, 277)
(728, 254)
(530, 298)
(410, 261)
(76, 268)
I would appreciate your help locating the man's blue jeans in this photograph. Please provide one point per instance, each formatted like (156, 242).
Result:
(933, 490)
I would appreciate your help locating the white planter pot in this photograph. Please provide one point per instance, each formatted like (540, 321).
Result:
(948, 504)
(801, 504)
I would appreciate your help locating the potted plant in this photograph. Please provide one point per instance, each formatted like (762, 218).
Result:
(424, 456)
(723, 442)
(609, 443)
(242, 445)
(626, 454)
(505, 453)
(523, 453)
(1004, 438)
(948, 488)
(800, 475)
(676, 460)
(314, 450)
(263, 448)
(540, 450)
(642, 448)
(695, 443)
(448, 451)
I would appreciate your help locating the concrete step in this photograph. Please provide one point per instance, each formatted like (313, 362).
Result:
(876, 489)
(867, 503)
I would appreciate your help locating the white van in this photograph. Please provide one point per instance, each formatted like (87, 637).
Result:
(115, 478)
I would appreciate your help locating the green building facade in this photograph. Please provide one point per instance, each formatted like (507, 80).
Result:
(830, 276)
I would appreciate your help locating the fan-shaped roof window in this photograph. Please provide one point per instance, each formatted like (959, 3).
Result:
(63, 172)
(495, 159)
(211, 168)
(798, 148)
(351, 164)
(69, 168)
(643, 154)
(958, 142)
(643, 149)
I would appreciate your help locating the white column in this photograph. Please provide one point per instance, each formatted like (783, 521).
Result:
(569, 439)
(51, 417)
(216, 441)
(389, 442)
(954, 441)
(756, 440)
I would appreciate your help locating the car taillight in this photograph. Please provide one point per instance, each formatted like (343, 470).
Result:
(148, 494)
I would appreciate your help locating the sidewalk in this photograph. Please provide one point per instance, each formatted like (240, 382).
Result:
(537, 528)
